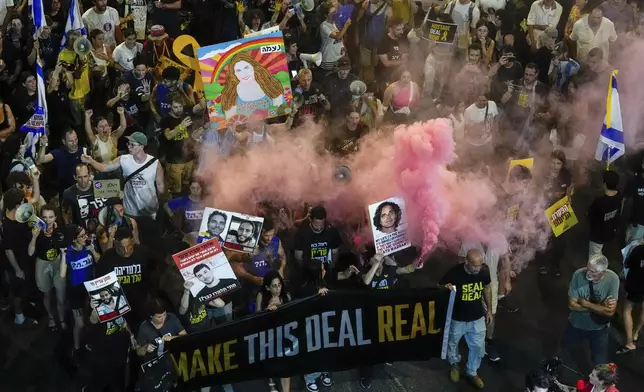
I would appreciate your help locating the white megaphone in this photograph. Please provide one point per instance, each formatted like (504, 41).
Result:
(307, 5)
(107, 216)
(342, 174)
(314, 58)
(82, 46)
(357, 88)
(26, 214)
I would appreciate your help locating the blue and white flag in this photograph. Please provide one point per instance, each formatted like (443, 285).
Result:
(610, 145)
(36, 124)
(74, 22)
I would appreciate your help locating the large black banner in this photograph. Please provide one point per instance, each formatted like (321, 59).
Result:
(338, 331)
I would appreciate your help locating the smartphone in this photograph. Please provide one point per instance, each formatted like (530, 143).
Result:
(84, 150)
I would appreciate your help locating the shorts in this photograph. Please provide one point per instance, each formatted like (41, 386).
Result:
(635, 298)
(177, 174)
(494, 286)
(48, 275)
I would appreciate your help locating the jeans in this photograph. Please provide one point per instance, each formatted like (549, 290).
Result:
(474, 333)
(598, 340)
(311, 377)
(225, 313)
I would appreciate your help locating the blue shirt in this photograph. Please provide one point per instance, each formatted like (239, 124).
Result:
(80, 264)
(190, 210)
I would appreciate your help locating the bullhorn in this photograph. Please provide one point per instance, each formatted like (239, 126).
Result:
(342, 174)
(26, 214)
(357, 88)
(314, 58)
(82, 46)
(107, 216)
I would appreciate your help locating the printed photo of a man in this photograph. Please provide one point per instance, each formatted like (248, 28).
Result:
(387, 217)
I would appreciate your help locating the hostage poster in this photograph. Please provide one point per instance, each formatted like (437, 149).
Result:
(233, 230)
(339, 331)
(107, 297)
(389, 225)
(206, 266)
(246, 77)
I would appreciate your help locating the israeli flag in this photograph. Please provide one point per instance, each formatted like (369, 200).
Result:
(36, 124)
(610, 145)
(74, 22)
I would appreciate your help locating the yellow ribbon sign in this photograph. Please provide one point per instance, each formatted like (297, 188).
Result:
(528, 162)
(165, 62)
(561, 217)
(191, 62)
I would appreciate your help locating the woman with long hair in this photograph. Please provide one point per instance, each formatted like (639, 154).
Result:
(272, 296)
(100, 59)
(487, 43)
(556, 183)
(249, 87)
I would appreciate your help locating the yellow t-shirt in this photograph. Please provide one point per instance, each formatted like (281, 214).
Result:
(402, 9)
(80, 87)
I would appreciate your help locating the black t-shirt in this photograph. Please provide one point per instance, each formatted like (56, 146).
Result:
(23, 105)
(468, 305)
(394, 49)
(313, 99)
(196, 318)
(555, 188)
(49, 49)
(137, 90)
(175, 149)
(85, 207)
(635, 277)
(524, 100)
(635, 189)
(58, 23)
(45, 250)
(503, 75)
(109, 342)
(133, 273)
(355, 282)
(386, 280)
(338, 92)
(541, 58)
(16, 237)
(316, 246)
(207, 294)
(345, 141)
(603, 215)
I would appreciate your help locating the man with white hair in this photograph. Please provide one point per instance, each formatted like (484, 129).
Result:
(592, 299)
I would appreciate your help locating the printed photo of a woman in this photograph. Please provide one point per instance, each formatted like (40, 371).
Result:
(249, 87)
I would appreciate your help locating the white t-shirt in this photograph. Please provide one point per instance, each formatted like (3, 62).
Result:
(106, 22)
(461, 16)
(475, 115)
(125, 56)
(586, 39)
(140, 193)
(3, 9)
(332, 49)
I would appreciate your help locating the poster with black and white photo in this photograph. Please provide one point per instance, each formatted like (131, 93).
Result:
(232, 230)
(389, 225)
(107, 297)
(206, 266)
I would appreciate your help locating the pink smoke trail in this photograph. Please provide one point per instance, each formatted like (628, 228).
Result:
(422, 150)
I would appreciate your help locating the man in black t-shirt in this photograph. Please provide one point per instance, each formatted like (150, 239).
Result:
(134, 266)
(393, 52)
(505, 71)
(470, 281)
(15, 240)
(313, 102)
(23, 100)
(345, 139)
(635, 190)
(603, 214)
(315, 241)
(634, 287)
(175, 145)
(79, 204)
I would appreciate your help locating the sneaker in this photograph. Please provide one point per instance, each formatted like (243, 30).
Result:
(455, 373)
(492, 353)
(326, 380)
(365, 383)
(476, 381)
(312, 387)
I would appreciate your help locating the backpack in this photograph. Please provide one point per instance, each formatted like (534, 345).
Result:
(463, 39)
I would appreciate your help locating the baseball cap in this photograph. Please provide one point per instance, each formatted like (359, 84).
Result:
(344, 63)
(551, 32)
(138, 138)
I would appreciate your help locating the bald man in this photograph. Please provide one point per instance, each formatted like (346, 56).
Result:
(470, 280)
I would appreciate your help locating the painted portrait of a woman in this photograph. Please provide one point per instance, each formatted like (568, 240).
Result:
(249, 87)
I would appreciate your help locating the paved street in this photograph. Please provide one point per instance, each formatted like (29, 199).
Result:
(30, 360)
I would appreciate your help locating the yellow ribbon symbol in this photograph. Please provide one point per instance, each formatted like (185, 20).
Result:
(191, 62)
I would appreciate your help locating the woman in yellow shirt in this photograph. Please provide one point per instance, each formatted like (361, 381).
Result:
(577, 11)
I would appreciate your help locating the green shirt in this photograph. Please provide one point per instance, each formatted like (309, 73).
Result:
(608, 286)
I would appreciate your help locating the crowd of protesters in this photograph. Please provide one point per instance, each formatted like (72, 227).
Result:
(508, 83)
